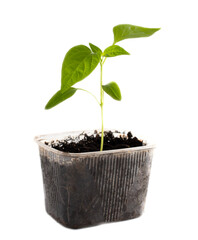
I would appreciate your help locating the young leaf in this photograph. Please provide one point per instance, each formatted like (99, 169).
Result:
(124, 31)
(79, 62)
(60, 97)
(95, 49)
(112, 90)
(114, 50)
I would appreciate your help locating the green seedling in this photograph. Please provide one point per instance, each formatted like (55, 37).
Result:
(81, 60)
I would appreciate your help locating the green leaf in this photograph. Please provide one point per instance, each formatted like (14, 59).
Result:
(113, 90)
(79, 62)
(95, 49)
(124, 31)
(114, 50)
(60, 97)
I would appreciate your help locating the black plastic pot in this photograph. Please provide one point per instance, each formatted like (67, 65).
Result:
(85, 189)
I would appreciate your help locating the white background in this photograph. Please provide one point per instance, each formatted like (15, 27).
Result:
(159, 88)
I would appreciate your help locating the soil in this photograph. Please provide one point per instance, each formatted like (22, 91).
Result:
(92, 143)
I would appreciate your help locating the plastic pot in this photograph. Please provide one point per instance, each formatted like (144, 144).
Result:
(85, 189)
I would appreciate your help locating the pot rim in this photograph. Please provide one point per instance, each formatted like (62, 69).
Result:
(40, 139)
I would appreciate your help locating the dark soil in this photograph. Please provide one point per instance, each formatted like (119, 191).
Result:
(92, 143)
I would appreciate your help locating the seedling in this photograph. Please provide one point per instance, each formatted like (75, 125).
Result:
(81, 60)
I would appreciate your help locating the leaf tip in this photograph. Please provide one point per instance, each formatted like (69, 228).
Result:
(47, 106)
(156, 29)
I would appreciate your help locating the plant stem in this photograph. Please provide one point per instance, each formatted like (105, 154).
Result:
(90, 94)
(101, 105)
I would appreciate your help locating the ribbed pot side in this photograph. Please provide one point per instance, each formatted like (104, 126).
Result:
(91, 189)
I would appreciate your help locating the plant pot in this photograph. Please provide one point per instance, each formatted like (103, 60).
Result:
(85, 189)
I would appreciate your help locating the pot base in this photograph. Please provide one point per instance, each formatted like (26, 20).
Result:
(90, 224)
